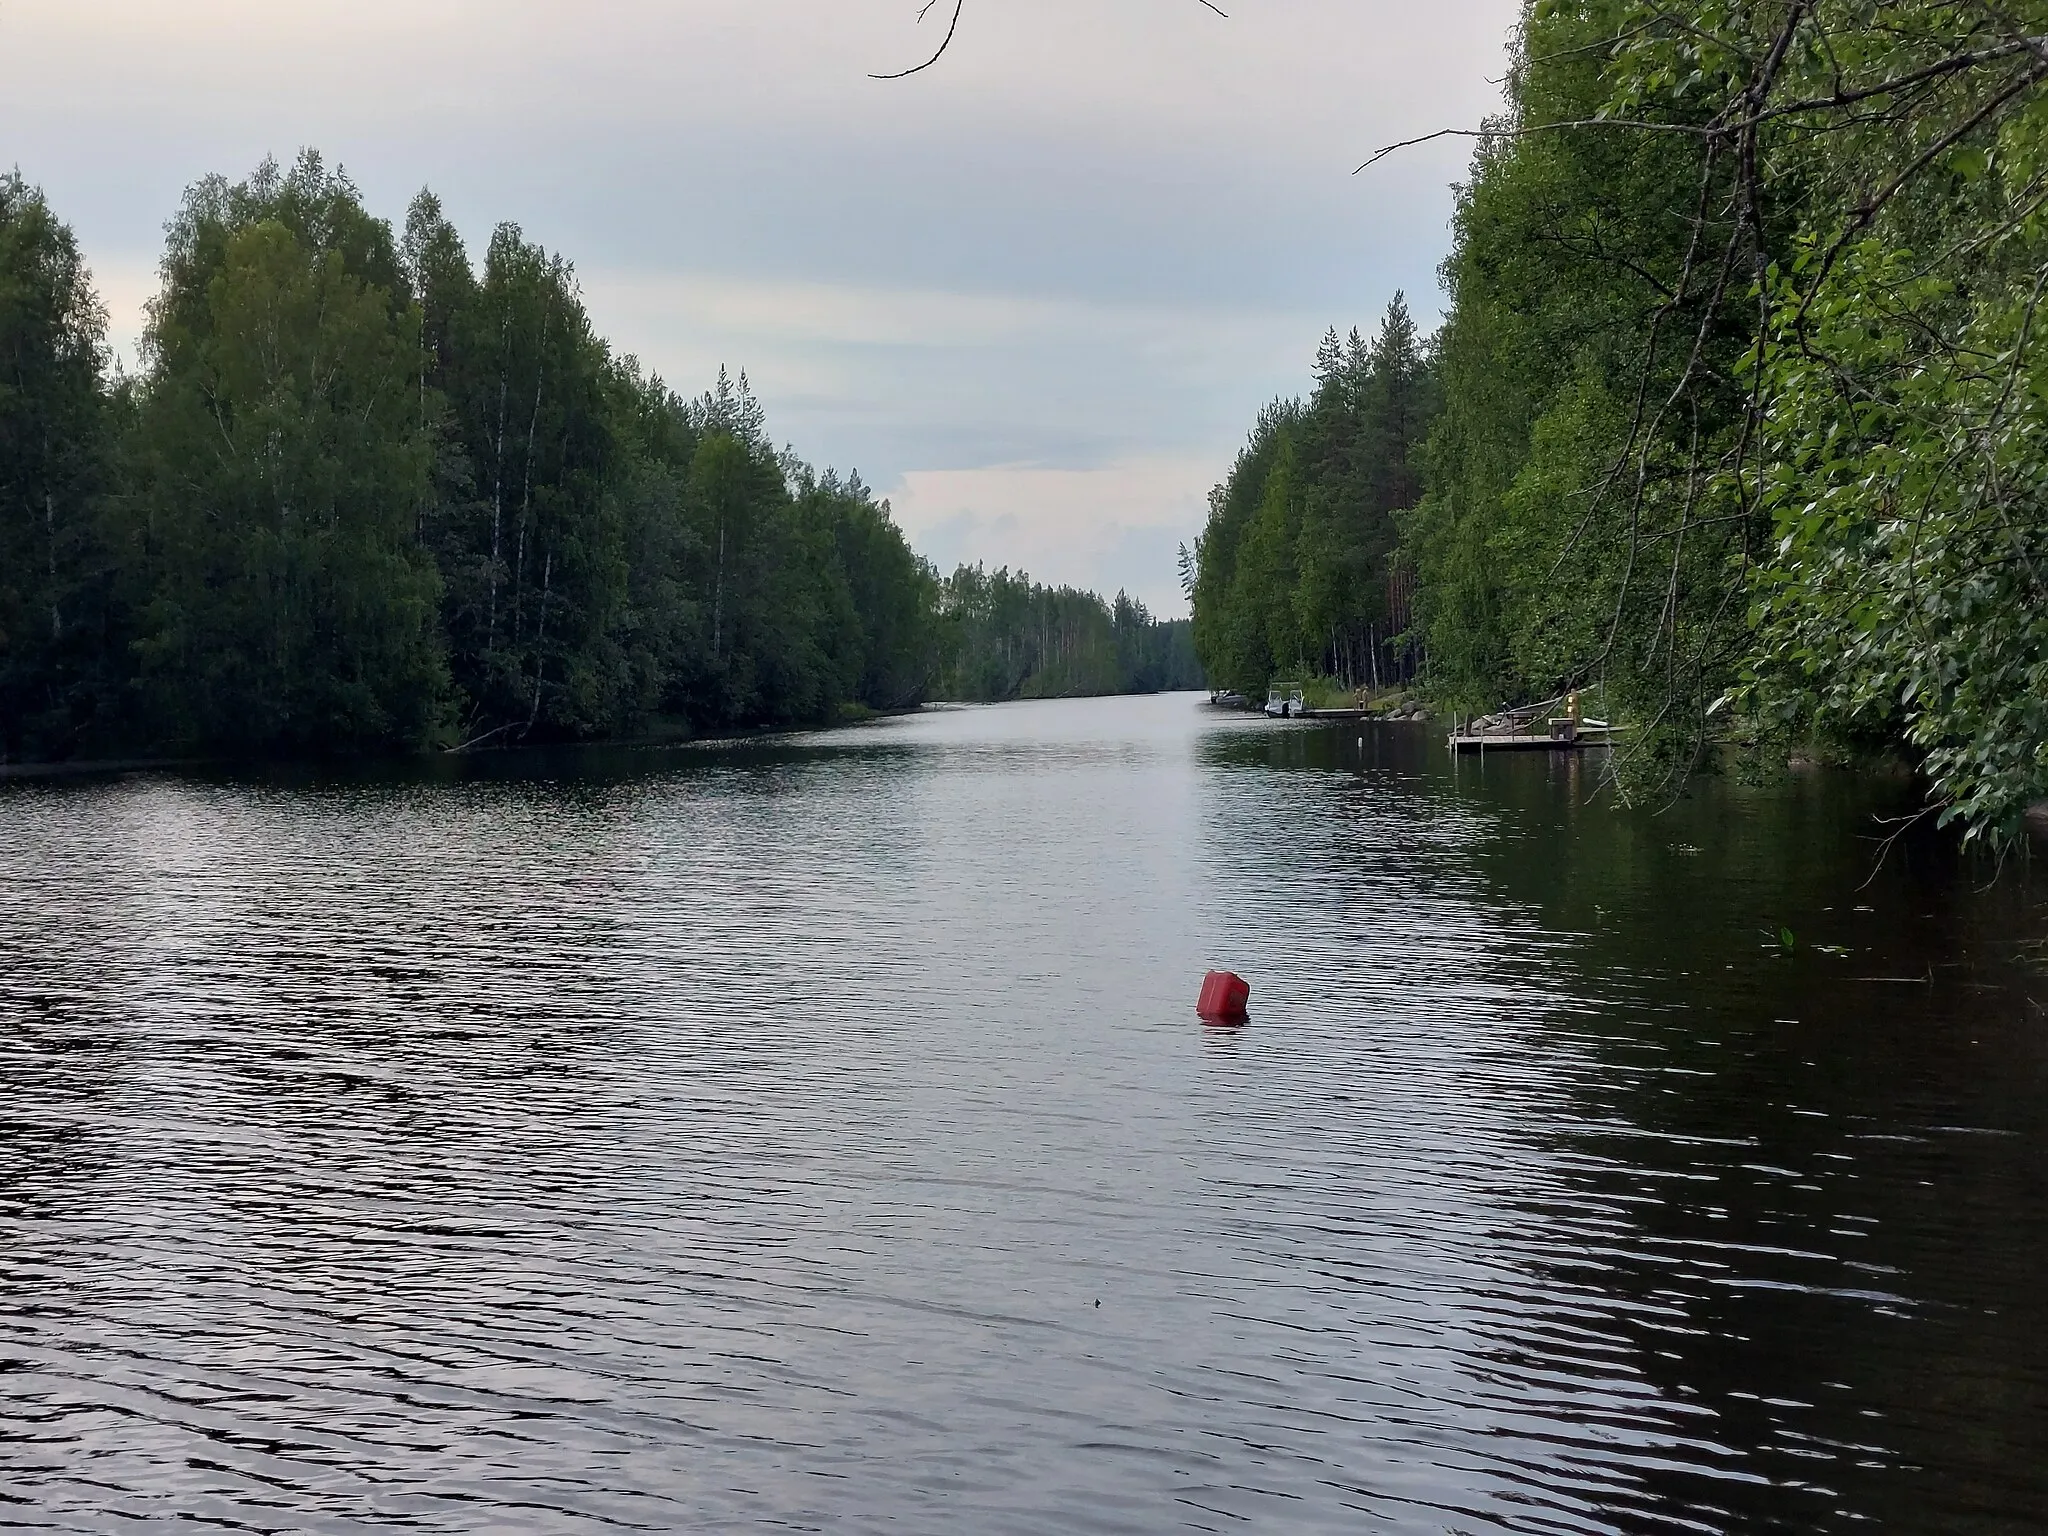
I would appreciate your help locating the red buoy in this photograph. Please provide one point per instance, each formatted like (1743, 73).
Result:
(1224, 994)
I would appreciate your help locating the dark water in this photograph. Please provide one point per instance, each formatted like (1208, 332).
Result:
(818, 1135)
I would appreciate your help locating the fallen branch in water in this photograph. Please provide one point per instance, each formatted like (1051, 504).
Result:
(476, 740)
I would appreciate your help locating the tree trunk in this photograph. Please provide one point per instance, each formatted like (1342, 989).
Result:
(498, 487)
(718, 592)
(50, 528)
(540, 635)
(540, 373)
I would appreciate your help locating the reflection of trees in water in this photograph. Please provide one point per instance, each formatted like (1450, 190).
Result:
(1802, 1202)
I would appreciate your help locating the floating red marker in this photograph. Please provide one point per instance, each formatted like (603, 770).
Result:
(1224, 994)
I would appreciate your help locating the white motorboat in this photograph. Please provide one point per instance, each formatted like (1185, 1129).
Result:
(1283, 704)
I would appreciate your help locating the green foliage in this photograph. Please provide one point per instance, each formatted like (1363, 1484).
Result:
(1297, 569)
(527, 528)
(278, 462)
(1008, 637)
(891, 595)
(1903, 456)
(1742, 399)
(1561, 540)
(366, 496)
(54, 608)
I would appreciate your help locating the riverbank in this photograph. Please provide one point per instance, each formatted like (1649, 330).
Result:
(91, 767)
(1330, 697)
(663, 734)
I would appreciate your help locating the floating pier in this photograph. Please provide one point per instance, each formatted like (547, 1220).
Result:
(1533, 728)
(1505, 741)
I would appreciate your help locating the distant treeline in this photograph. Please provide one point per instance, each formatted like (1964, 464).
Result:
(1015, 639)
(365, 495)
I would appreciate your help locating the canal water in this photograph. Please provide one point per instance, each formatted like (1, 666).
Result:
(817, 1134)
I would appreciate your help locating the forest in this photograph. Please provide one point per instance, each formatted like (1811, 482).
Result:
(1012, 638)
(363, 494)
(1737, 411)
(1298, 570)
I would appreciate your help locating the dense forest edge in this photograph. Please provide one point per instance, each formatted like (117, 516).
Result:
(362, 495)
(1738, 411)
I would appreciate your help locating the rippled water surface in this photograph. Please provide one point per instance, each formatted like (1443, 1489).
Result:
(817, 1135)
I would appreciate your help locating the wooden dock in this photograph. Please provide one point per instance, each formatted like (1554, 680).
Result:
(1532, 728)
(1526, 741)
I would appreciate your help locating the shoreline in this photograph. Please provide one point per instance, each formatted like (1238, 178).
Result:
(86, 767)
(79, 768)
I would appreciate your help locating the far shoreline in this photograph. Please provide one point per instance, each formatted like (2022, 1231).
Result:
(84, 768)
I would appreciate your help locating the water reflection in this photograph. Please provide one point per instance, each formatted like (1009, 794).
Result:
(818, 1132)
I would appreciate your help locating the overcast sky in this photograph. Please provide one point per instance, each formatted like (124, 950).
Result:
(1034, 294)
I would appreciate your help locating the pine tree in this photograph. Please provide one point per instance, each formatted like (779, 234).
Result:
(1298, 569)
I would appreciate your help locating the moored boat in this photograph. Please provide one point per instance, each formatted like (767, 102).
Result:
(1282, 705)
